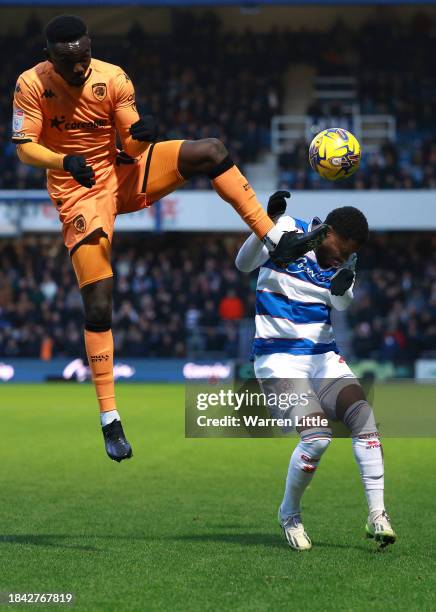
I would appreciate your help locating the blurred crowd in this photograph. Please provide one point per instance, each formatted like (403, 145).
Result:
(396, 75)
(391, 167)
(175, 298)
(201, 81)
(179, 295)
(393, 315)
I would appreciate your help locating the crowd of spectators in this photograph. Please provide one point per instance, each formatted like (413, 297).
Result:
(172, 297)
(390, 167)
(202, 81)
(395, 75)
(179, 295)
(393, 315)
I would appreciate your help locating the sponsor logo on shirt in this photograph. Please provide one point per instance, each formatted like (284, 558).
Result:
(300, 266)
(18, 120)
(61, 124)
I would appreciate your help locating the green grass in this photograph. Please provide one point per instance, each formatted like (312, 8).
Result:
(191, 524)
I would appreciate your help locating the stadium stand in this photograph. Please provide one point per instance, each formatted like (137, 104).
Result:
(169, 301)
(175, 81)
(185, 298)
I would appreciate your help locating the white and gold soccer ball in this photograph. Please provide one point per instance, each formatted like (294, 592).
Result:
(335, 154)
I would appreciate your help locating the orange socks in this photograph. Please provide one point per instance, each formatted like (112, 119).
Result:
(100, 351)
(234, 188)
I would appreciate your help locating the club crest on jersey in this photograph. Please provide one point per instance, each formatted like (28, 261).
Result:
(99, 90)
(79, 224)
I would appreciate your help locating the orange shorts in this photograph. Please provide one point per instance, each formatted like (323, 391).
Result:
(118, 190)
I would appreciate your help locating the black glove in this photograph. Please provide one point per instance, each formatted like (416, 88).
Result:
(293, 245)
(342, 280)
(144, 130)
(76, 166)
(277, 204)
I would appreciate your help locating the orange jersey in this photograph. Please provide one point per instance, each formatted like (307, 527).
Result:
(74, 120)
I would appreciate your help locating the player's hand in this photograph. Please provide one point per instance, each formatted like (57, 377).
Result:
(277, 204)
(145, 129)
(80, 171)
(293, 245)
(342, 280)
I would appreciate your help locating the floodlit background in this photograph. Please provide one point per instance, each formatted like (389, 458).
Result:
(264, 79)
(191, 524)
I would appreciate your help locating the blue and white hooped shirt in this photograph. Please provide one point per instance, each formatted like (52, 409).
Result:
(293, 305)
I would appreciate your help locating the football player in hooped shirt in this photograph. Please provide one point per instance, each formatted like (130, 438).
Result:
(294, 343)
(67, 113)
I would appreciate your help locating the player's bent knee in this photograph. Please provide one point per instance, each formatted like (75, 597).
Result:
(317, 447)
(311, 452)
(359, 418)
(214, 150)
(98, 317)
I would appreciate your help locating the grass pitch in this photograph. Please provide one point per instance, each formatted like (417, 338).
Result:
(191, 524)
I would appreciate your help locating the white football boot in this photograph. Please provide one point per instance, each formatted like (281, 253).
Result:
(295, 534)
(379, 527)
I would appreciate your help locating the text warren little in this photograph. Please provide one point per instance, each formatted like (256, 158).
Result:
(256, 421)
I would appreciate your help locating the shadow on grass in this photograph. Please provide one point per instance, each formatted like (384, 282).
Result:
(361, 547)
(247, 539)
(269, 540)
(46, 539)
(263, 539)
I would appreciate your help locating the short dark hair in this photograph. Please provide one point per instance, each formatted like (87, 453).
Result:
(65, 28)
(350, 223)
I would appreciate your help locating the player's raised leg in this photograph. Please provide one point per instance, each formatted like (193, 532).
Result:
(91, 261)
(358, 416)
(210, 157)
(169, 164)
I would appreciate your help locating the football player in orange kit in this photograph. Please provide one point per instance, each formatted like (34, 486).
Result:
(67, 112)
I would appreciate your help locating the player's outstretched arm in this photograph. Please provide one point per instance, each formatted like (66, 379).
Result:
(34, 154)
(252, 254)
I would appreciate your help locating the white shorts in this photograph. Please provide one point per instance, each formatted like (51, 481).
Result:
(325, 374)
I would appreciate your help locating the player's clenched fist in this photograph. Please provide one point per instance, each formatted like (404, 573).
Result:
(342, 280)
(79, 170)
(277, 204)
(145, 129)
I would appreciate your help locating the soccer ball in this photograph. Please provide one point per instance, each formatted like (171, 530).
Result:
(335, 154)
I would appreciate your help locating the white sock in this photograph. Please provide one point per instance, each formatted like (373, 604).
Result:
(302, 466)
(109, 416)
(368, 454)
